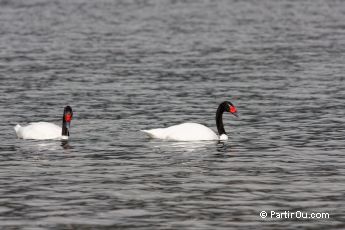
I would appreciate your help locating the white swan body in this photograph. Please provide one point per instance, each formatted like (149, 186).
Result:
(194, 131)
(46, 130)
(39, 131)
(185, 132)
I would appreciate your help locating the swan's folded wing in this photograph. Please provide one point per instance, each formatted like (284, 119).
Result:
(183, 132)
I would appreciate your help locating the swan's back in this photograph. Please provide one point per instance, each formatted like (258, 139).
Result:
(38, 131)
(183, 132)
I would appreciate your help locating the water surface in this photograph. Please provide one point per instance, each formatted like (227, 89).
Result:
(130, 65)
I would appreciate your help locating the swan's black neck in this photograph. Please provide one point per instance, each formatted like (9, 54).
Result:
(219, 118)
(67, 114)
(65, 131)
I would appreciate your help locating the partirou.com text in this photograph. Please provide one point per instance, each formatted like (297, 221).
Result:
(293, 215)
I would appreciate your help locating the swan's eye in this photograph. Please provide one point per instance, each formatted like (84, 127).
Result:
(68, 117)
(233, 109)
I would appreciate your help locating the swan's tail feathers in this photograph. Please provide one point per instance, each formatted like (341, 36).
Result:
(148, 132)
(153, 133)
(17, 129)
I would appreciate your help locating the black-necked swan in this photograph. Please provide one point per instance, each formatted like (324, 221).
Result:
(194, 131)
(46, 130)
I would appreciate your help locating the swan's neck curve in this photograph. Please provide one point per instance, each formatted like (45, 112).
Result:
(219, 118)
(65, 131)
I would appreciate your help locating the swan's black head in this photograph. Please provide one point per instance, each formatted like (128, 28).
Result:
(66, 120)
(229, 107)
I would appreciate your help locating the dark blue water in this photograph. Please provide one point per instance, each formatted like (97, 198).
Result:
(130, 65)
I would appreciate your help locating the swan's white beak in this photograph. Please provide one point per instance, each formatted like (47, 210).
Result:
(68, 125)
(235, 114)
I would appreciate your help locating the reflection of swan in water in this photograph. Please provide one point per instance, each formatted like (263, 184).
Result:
(50, 146)
(42, 146)
(223, 147)
(189, 146)
(65, 144)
